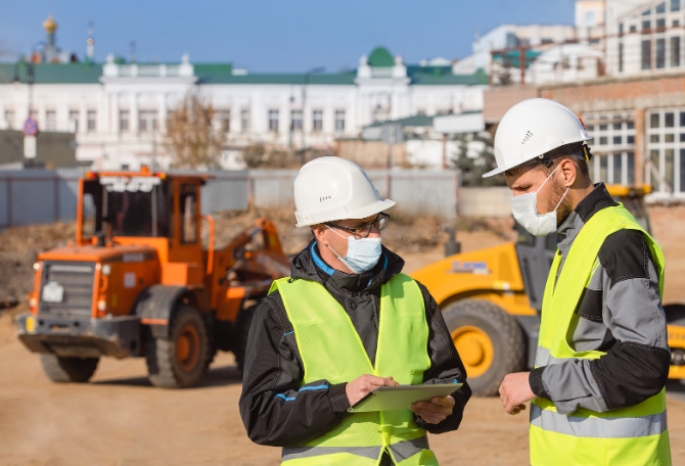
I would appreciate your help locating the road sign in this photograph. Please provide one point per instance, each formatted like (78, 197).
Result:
(30, 127)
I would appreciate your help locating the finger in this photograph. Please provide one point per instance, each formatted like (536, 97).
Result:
(433, 408)
(382, 381)
(444, 401)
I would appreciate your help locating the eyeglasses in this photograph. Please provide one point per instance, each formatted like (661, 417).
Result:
(364, 229)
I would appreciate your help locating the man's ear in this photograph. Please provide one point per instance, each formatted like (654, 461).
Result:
(318, 231)
(568, 171)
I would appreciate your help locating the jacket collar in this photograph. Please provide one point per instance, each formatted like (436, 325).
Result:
(597, 200)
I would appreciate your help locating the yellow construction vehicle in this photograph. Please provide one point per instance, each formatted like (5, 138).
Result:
(491, 300)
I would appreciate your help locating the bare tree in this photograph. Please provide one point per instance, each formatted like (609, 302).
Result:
(193, 139)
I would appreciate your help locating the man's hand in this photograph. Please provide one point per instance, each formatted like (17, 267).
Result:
(434, 411)
(515, 391)
(365, 384)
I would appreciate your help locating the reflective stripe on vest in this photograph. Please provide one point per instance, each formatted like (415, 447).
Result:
(331, 349)
(622, 427)
(632, 435)
(401, 450)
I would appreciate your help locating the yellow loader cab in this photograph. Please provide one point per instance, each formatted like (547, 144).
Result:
(491, 300)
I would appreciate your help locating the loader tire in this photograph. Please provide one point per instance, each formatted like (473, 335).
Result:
(68, 369)
(241, 333)
(180, 360)
(489, 342)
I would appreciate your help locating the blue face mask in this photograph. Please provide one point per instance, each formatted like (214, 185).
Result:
(362, 254)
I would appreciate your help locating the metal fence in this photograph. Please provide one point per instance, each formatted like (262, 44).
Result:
(45, 196)
(38, 196)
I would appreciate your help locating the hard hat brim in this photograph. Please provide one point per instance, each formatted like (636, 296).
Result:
(367, 211)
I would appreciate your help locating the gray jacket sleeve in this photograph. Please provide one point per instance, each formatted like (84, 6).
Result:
(621, 314)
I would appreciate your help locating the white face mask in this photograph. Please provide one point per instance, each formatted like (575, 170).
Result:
(525, 212)
(362, 254)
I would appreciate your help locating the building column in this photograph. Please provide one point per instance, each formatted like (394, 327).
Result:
(640, 146)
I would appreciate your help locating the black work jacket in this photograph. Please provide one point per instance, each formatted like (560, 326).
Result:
(274, 409)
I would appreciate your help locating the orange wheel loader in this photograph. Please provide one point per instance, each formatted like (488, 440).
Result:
(137, 282)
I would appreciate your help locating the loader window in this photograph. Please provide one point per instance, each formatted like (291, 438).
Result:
(188, 213)
(139, 213)
(91, 213)
(131, 207)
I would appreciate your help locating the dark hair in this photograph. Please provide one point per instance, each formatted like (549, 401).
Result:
(577, 152)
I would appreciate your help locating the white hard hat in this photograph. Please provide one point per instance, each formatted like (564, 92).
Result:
(330, 188)
(532, 128)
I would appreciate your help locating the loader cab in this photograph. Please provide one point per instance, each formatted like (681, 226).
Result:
(535, 254)
(142, 208)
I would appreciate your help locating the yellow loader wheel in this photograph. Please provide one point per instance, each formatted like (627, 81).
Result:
(489, 341)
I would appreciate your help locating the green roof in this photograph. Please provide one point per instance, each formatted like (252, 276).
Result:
(380, 57)
(413, 121)
(433, 79)
(222, 73)
(344, 79)
(52, 73)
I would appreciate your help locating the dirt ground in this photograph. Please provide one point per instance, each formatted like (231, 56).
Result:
(119, 419)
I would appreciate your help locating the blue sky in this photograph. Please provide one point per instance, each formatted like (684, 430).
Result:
(271, 35)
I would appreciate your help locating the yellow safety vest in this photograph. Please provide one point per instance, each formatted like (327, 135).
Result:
(636, 435)
(330, 349)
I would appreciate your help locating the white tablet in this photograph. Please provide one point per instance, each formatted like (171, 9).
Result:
(401, 397)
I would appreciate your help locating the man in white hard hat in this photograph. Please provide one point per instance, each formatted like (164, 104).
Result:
(346, 322)
(603, 358)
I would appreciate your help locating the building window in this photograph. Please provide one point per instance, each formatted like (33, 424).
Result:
(665, 168)
(603, 141)
(620, 57)
(339, 121)
(124, 120)
(317, 120)
(273, 121)
(590, 18)
(147, 120)
(675, 5)
(675, 51)
(654, 120)
(646, 54)
(630, 139)
(9, 119)
(608, 165)
(296, 120)
(91, 121)
(620, 28)
(603, 127)
(245, 120)
(661, 8)
(50, 120)
(225, 121)
(660, 24)
(633, 28)
(617, 126)
(73, 120)
(617, 140)
(646, 26)
(682, 170)
(660, 53)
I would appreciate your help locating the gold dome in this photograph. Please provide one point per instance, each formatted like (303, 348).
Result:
(50, 25)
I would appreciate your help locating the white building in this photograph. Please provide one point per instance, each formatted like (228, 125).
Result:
(119, 110)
